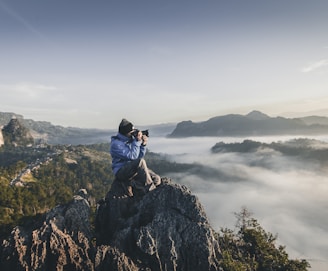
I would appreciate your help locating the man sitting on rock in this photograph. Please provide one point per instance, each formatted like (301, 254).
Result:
(127, 149)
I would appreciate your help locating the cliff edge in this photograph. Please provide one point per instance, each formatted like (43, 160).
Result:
(165, 229)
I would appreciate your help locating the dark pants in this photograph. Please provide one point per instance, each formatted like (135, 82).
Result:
(138, 172)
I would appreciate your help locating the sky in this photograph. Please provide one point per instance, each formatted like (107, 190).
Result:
(89, 64)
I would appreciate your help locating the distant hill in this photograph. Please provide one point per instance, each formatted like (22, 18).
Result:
(55, 134)
(315, 120)
(303, 148)
(253, 124)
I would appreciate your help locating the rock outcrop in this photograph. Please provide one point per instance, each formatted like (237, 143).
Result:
(14, 133)
(62, 241)
(165, 229)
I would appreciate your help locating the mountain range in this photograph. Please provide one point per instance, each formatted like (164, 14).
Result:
(254, 123)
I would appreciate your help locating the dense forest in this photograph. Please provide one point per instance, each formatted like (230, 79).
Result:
(46, 177)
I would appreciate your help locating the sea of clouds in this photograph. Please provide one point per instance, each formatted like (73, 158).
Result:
(287, 195)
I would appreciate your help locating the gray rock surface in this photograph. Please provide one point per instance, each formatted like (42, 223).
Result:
(165, 229)
(15, 134)
(61, 240)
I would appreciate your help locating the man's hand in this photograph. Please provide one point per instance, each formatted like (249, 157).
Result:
(144, 140)
(139, 136)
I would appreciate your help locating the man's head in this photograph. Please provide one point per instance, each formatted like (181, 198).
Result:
(125, 127)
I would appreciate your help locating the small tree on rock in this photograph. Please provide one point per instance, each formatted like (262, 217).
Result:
(252, 248)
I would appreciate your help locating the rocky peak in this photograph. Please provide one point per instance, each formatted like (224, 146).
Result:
(166, 229)
(14, 133)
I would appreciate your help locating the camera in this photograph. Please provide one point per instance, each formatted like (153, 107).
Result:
(144, 132)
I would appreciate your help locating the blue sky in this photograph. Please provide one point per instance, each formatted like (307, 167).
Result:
(91, 63)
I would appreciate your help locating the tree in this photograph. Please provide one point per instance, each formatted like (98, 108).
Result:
(252, 248)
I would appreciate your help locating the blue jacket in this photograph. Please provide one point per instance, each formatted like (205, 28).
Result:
(124, 149)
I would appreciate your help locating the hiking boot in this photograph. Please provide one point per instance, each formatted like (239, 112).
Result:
(138, 189)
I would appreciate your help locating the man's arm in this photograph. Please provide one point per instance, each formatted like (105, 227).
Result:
(130, 151)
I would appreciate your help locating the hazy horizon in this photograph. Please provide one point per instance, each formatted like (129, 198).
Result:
(88, 64)
(162, 131)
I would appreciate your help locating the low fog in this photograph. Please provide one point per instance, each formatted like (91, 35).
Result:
(287, 195)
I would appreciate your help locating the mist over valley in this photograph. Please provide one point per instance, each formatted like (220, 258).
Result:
(282, 180)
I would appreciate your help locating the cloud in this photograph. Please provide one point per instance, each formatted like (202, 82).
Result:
(26, 91)
(315, 66)
(33, 90)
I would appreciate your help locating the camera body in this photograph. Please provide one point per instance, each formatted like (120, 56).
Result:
(144, 132)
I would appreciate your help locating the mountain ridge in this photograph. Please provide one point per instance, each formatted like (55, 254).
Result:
(254, 123)
(55, 134)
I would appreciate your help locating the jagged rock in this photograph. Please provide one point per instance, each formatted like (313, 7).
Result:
(108, 258)
(165, 229)
(14, 133)
(60, 242)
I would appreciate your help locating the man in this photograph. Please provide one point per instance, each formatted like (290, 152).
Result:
(128, 149)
